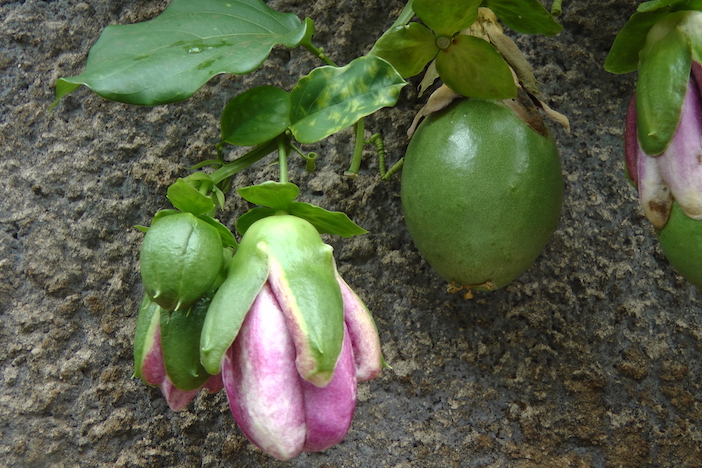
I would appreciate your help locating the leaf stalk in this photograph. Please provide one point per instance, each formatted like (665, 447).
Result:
(357, 150)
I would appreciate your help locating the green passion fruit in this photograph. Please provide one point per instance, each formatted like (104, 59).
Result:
(481, 194)
(180, 259)
(681, 241)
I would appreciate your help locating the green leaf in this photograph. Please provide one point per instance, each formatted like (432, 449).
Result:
(472, 67)
(246, 220)
(653, 5)
(170, 57)
(310, 31)
(62, 88)
(256, 116)
(219, 195)
(275, 195)
(180, 343)
(408, 48)
(687, 5)
(200, 176)
(447, 17)
(664, 71)
(525, 16)
(326, 222)
(188, 199)
(623, 57)
(330, 99)
(242, 162)
(228, 239)
(668, 5)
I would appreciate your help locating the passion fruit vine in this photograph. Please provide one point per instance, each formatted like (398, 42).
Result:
(481, 193)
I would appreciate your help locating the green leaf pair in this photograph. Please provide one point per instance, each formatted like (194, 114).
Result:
(168, 58)
(467, 64)
(279, 197)
(661, 40)
(327, 100)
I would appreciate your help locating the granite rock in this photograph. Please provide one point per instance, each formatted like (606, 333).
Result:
(590, 359)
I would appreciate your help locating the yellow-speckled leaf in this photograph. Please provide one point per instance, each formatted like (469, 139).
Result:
(330, 99)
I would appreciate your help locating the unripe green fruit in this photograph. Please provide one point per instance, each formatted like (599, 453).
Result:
(481, 193)
(180, 259)
(681, 241)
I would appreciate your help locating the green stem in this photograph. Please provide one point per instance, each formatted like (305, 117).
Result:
(555, 7)
(205, 188)
(241, 163)
(319, 53)
(316, 51)
(283, 160)
(405, 15)
(357, 150)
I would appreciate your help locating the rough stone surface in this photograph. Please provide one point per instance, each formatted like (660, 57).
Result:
(590, 359)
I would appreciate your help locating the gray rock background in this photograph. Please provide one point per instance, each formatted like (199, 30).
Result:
(589, 359)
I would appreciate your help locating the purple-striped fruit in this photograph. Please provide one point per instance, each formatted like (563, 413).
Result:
(290, 338)
(670, 184)
(149, 362)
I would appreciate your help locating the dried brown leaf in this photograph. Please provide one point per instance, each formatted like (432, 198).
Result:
(438, 100)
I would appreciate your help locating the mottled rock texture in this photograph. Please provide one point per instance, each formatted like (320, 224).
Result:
(589, 359)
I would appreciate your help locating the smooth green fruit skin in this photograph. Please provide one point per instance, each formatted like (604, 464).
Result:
(481, 193)
(681, 241)
(180, 259)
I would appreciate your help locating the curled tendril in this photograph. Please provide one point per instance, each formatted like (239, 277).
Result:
(310, 159)
(377, 141)
(311, 164)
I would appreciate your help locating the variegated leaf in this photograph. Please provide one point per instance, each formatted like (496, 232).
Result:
(330, 99)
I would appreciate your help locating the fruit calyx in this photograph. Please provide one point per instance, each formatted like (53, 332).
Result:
(467, 289)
